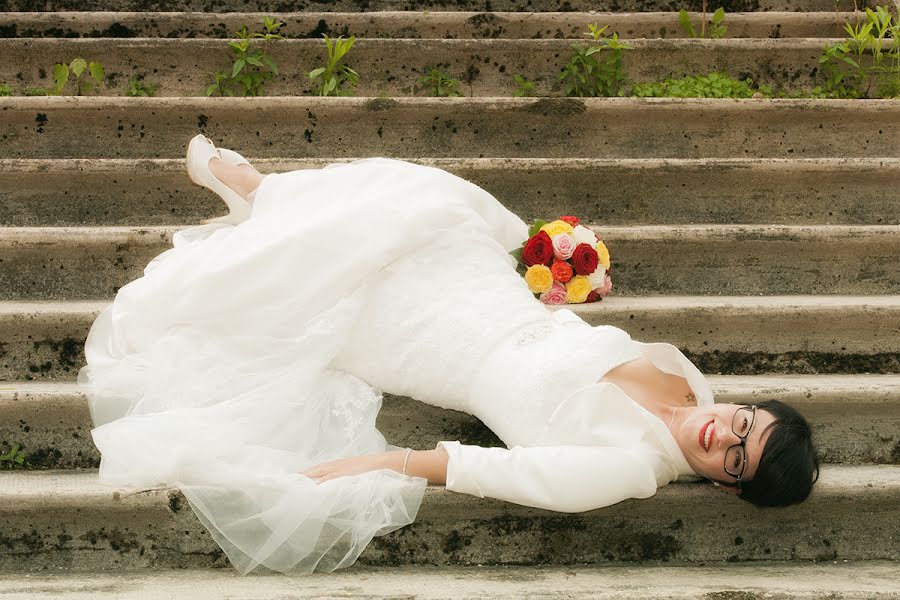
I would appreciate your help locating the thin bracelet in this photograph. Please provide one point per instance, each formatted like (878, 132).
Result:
(405, 460)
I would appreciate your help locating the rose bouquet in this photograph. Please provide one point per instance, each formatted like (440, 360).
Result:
(564, 262)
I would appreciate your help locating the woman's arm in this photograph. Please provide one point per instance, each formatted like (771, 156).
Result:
(430, 464)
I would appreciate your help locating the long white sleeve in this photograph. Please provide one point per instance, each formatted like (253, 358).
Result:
(560, 478)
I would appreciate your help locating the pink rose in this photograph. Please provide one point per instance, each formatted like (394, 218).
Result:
(607, 287)
(563, 246)
(555, 295)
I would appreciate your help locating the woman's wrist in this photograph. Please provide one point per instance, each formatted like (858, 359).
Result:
(430, 464)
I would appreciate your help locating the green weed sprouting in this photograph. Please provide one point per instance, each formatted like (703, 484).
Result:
(5, 90)
(252, 67)
(717, 23)
(335, 75)
(587, 75)
(137, 87)
(12, 459)
(87, 75)
(713, 85)
(855, 65)
(438, 83)
(523, 86)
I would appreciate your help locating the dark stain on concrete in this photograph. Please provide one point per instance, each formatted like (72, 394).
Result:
(652, 546)
(401, 547)
(895, 453)
(31, 542)
(753, 363)
(732, 595)
(118, 540)
(471, 431)
(45, 458)
(557, 107)
(456, 541)
(175, 502)
(41, 120)
(69, 352)
(379, 104)
(202, 121)
(117, 30)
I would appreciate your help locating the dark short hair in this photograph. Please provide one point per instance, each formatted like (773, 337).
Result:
(789, 464)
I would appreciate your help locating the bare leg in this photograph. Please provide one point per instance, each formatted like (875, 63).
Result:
(243, 179)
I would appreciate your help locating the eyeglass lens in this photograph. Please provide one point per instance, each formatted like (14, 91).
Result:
(736, 455)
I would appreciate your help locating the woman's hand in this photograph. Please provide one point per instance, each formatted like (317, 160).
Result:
(354, 465)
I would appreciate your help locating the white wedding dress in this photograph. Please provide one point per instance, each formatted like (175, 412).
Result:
(248, 353)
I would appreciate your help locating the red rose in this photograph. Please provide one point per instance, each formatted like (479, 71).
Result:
(539, 250)
(585, 259)
(573, 221)
(562, 271)
(593, 296)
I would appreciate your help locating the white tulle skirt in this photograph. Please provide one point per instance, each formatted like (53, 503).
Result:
(213, 372)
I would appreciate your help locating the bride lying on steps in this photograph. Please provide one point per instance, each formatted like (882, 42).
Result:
(246, 368)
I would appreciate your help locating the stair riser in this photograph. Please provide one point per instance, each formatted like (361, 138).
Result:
(770, 580)
(463, 128)
(273, 6)
(607, 192)
(683, 523)
(449, 25)
(54, 430)
(486, 67)
(87, 264)
(36, 345)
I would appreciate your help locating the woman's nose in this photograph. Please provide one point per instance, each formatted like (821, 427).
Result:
(726, 436)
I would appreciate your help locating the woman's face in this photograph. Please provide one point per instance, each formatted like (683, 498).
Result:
(707, 433)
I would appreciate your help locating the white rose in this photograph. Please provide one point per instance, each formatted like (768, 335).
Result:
(583, 235)
(598, 277)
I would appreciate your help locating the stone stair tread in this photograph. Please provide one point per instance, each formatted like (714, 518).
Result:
(75, 488)
(455, 127)
(854, 417)
(845, 580)
(419, 24)
(612, 191)
(274, 163)
(152, 233)
(374, 6)
(851, 388)
(393, 66)
(87, 261)
(889, 302)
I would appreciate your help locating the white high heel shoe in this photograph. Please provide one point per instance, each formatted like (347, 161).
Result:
(200, 151)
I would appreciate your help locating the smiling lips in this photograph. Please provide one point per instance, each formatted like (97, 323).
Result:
(706, 435)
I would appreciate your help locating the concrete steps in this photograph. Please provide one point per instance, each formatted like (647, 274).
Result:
(807, 581)
(310, 127)
(55, 263)
(737, 335)
(610, 192)
(67, 519)
(274, 6)
(855, 418)
(407, 24)
(790, 199)
(486, 67)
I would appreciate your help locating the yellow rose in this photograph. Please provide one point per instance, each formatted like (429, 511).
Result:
(603, 254)
(539, 278)
(557, 227)
(577, 289)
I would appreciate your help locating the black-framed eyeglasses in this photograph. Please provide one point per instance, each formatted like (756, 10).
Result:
(736, 456)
